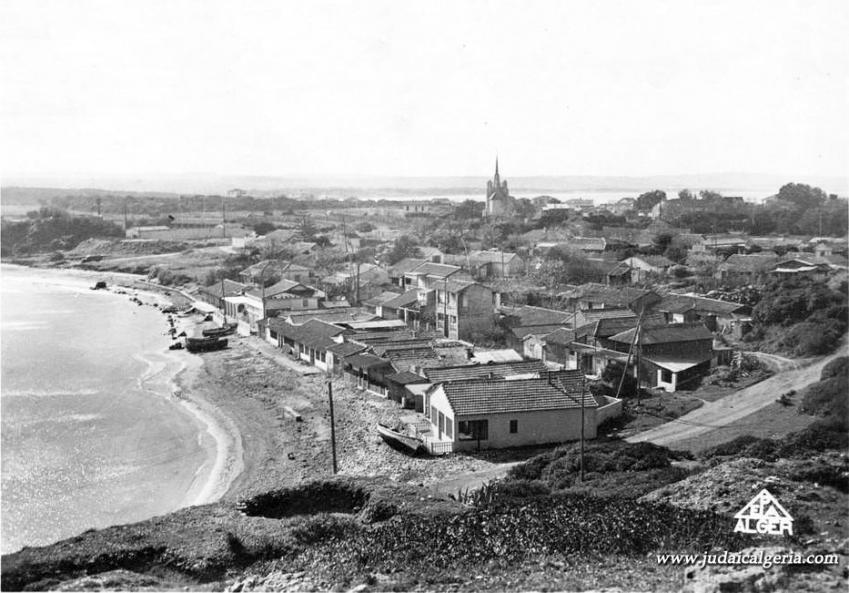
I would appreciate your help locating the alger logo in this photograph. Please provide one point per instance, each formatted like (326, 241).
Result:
(764, 515)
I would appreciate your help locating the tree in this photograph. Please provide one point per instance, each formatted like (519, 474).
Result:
(709, 195)
(801, 195)
(648, 200)
(661, 241)
(263, 228)
(675, 252)
(686, 195)
(364, 227)
(468, 209)
(524, 209)
(404, 246)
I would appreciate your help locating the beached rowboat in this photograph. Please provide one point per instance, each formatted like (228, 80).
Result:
(399, 440)
(224, 330)
(205, 344)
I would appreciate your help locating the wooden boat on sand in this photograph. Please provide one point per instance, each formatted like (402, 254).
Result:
(205, 344)
(225, 330)
(398, 440)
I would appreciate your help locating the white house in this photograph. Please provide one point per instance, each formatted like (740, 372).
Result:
(496, 413)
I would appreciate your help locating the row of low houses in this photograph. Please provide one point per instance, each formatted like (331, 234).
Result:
(460, 403)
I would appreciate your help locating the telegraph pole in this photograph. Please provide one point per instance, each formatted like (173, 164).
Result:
(332, 424)
(583, 388)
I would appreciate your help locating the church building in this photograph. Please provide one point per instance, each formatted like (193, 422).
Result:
(499, 202)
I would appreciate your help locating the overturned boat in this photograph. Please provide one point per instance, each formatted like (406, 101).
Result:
(207, 344)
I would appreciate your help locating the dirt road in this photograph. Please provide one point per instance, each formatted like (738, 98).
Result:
(715, 415)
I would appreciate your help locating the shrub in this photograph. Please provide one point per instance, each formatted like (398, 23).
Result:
(824, 475)
(837, 367)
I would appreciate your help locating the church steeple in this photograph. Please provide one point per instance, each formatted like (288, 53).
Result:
(497, 177)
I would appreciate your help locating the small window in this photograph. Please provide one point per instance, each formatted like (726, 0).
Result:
(666, 376)
(514, 426)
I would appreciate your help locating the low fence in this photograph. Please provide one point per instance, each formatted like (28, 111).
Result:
(439, 447)
(611, 409)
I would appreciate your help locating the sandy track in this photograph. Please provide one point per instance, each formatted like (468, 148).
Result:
(714, 416)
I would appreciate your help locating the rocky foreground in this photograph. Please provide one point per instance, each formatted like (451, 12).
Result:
(376, 535)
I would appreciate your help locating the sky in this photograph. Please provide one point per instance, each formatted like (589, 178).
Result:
(294, 88)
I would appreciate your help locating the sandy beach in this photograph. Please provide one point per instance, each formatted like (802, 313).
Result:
(246, 390)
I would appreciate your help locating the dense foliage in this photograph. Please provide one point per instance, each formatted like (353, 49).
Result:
(514, 531)
(813, 316)
(796, 209)
(607, 467)
(829, 397)
(49, 229)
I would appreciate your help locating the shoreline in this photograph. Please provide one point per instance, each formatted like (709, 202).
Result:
(216, 434)
(228, 459)
(239, 397)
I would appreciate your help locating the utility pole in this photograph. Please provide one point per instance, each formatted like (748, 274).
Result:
(583, 388)
(223, 219)
(639, 353)
(223, 302)
(357, 298)
(445, 327)
(332, 424)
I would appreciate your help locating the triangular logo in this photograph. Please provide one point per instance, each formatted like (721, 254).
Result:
(764, 515)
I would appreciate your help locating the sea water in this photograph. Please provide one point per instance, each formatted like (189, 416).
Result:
(91, 435)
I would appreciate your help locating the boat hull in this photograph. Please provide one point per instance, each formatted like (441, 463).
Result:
(403, 442)
(205, 344)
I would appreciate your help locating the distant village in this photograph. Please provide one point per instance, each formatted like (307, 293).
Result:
(491, 322)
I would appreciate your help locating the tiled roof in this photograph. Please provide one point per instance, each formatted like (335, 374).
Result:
(274, 265)
(346, 349)
(460, 285)
(399, 300)
(529, 315)
(620, 269)
(560, 337)
(282, 288)
(681, 332)
(417, 352)
(524, 331)
(487, 396)
(406, 378)
(408, 264)
(382, 298)
(332, 315)
(491, 256)
(365, 361)
(679, 303)
(590, 315)
(477, 371)
(312, 333)
(399, 345)
(609, 295)
(432, 269)
(231, 288)
(755, 262)
(384, 337)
